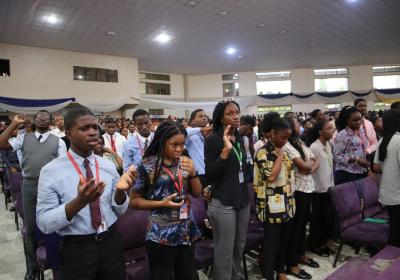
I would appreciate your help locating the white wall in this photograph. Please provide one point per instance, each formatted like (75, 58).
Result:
(47, 73)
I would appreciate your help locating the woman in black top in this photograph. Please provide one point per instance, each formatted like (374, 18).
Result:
(229, 212)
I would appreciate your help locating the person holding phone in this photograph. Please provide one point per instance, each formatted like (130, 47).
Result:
(228, 211)
(165, 180)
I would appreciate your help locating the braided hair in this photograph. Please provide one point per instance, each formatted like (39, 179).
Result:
(294, 139)
(165, 131)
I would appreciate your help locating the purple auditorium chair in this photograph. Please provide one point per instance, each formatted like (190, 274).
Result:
(353, 229)
(204, 252)
(15, 190)
(132, 227)
(255, 232)
(5, 186)
(48, 254)
(368, 189)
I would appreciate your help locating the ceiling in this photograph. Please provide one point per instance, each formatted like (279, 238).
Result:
(319, 33)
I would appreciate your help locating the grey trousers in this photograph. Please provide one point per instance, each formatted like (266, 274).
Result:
(229, 234)
(29, 199)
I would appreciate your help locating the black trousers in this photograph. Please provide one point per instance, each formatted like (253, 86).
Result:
(297, 240)
(342, 176)
(88, 259)
(167, 260)
(322, 220)
(394, 225)
(276, 237)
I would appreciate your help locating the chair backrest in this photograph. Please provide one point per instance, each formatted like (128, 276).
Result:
(368, 190)
(15, 182)
(52, 243)
(133, 227)
(199, 211)
(346, 201)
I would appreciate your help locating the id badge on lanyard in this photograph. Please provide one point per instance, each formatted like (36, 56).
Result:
(183, 212)
(239, 156)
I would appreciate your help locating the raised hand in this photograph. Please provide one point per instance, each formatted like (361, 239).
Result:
(187, 165)
(89, 191)
(127, 179)
(19, 118)
(227, 138)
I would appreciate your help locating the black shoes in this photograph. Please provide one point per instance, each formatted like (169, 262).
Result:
(310, 262)
(301, 275)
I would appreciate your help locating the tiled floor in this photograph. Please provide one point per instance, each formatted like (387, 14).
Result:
(12, 262)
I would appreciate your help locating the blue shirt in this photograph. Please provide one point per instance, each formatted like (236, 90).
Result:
(161, 228)
(58, 185)
(133, 151)
(195, 146)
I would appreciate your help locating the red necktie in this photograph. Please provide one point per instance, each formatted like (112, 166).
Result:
(94, 206)
(112, 143)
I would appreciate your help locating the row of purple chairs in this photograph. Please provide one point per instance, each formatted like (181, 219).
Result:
(353, 202)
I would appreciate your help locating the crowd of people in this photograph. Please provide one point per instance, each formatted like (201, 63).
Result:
(84, 172)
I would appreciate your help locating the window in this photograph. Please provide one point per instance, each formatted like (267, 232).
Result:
(4, 67)
(331, 79)
(154, 76)
(381, 106)
(333, 107)
(272, 75)
(153, 83)
(386, 76)
(386, 69)
(154, 113)
(230, 77)
(281, 109)
(273, 82)
(95, 74)
(266, 87)
(331, 72)
(331, 84)
(230, 89)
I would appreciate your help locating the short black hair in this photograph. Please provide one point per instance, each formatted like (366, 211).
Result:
(358, 100)
(110, 120)
(74, 114)
(139, 112)
(280, 124)
(266, 123)
(395, 105)
(194, 113)
(314, 113)
(306, 121)
(247, 119)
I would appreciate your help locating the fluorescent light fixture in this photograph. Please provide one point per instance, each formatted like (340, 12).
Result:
(283, 31)
(163, 38)
(223, 13)
(52, 19)
(230, 51)
(111, 33)
(311, 45)
(262, 25)
(191, 4)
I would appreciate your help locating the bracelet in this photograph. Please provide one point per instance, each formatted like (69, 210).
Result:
(196, 175)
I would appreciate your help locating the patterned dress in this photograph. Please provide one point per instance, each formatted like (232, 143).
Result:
(164, 227)
(275, 201)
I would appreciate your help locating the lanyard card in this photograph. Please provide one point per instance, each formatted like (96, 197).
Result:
(241, 176)
(184, 212)
(102, 227)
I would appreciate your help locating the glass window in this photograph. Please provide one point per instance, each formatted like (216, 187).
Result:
(79, 73)
(230, 89)
(230, 77)
(387, 81)
(281, 109)
(95, 74)
(381, 106)
(154, 76)
(331, 71)
(386, 69)
(267, 87)
(331, 84)
(271, 75)
(112, 76)
(4, 67)
(155, 88)
(333, 106)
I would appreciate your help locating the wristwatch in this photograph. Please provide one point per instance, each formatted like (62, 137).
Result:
(196, 174)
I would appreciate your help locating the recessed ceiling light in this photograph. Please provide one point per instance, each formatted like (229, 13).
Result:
(239, 56)
(312, 45)
(223, 13)
(262, 25)
(111, 33)
(52, 19)
(163, 38)
(230, 51)
(283, 31)
(191, 4)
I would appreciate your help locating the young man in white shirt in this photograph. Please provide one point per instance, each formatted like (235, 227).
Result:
(112, 139)
(59, 130)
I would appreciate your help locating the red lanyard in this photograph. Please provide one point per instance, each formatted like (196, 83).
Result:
(112, 143)
(80, 171)
(178, 185)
